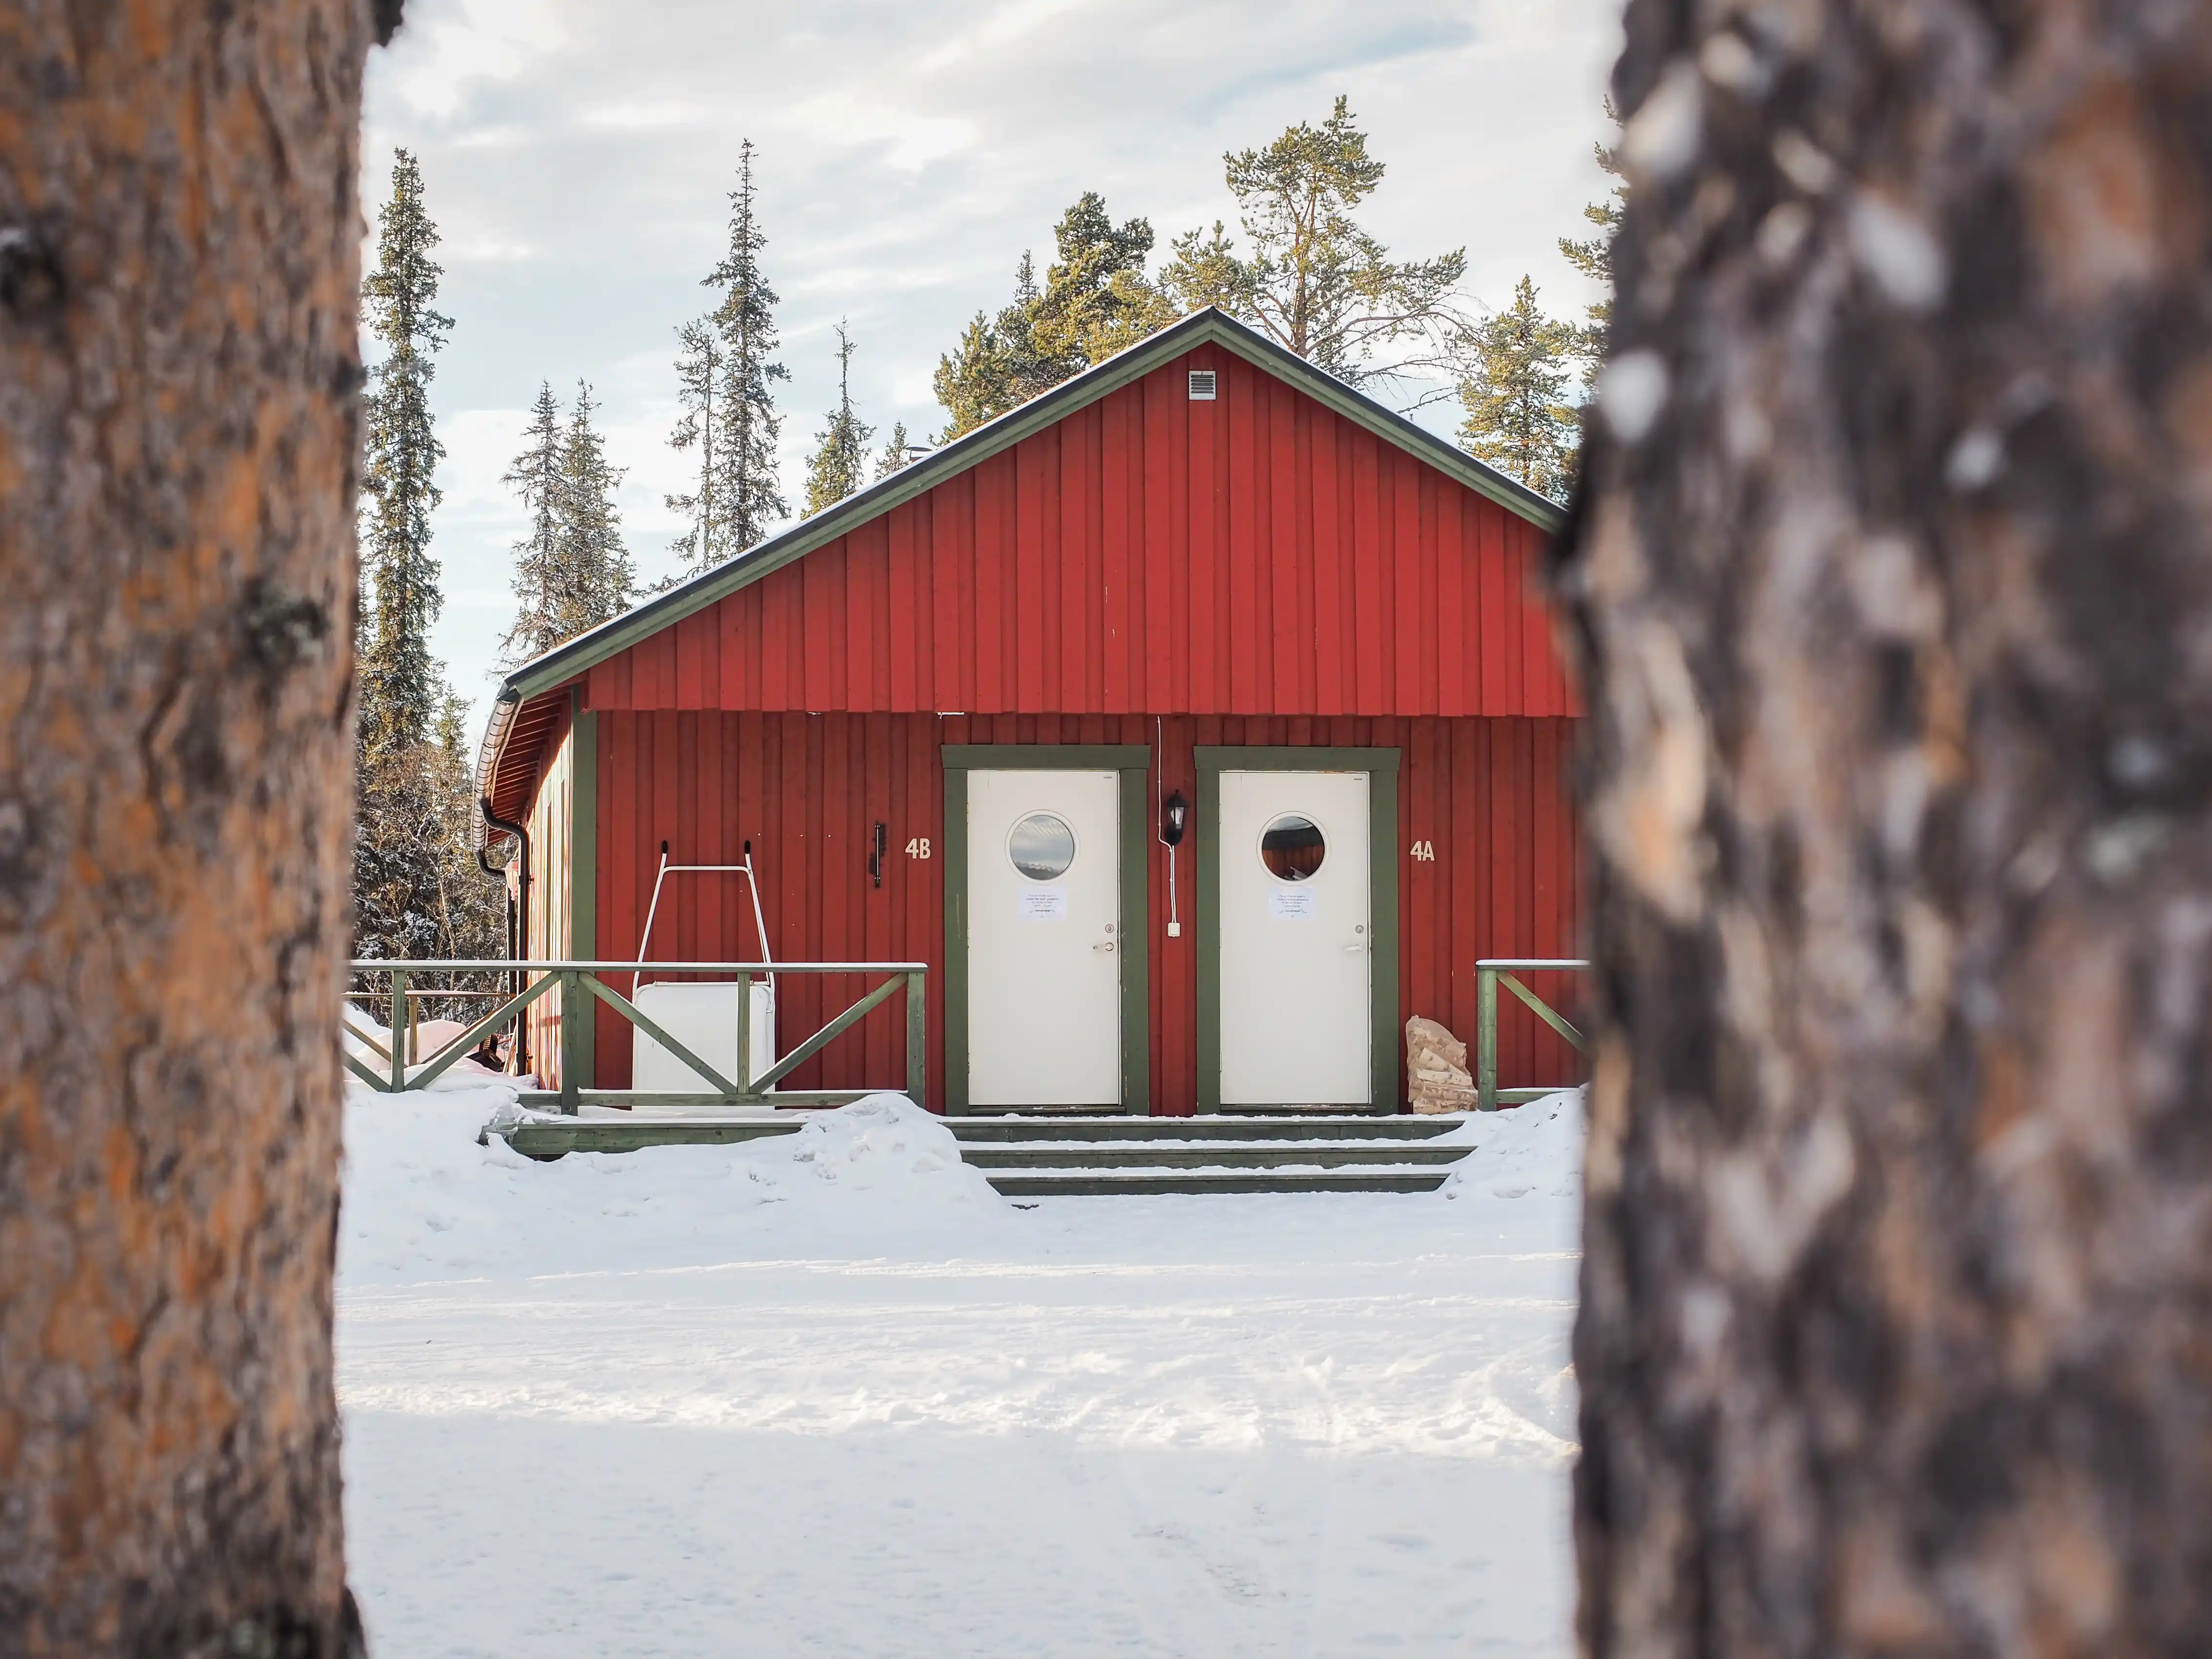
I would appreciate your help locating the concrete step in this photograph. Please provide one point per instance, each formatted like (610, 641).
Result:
(1077, 1127)
(630, 1132)
(1100, 1183)
(1204, 1155)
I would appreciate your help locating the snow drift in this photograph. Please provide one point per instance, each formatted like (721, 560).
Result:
(423, 1200)
(1532, 1151)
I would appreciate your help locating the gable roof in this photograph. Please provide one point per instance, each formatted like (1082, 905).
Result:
(1211, 325)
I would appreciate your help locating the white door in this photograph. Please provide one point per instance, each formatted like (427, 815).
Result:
(1296, 938)
(1044, 952)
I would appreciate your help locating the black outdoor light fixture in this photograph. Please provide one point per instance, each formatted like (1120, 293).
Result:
(1175, 819)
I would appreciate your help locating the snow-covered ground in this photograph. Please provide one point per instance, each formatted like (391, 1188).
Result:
(828, 1394)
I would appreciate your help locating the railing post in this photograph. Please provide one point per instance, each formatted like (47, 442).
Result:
(398, 1029)
(917, 1042)
(575, 1009)
(1485, 1039)
(745, 1075)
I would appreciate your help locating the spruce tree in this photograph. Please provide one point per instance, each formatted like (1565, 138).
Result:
(401, 687)
(597, 577)
(571, 571)
(1315, 283)
(748, 500)
(839, 464)
(698, 386)
(895, 454)
(1513, 387)
(535, 475)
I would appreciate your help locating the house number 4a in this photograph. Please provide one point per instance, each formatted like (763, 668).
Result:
(1424, 851)
(918, 848)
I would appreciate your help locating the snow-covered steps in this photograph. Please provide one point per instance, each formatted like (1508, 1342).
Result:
(1035, 1154)
(1099, 1183)
(1282, 1125)
(1200, 1155)
(1028, 1154)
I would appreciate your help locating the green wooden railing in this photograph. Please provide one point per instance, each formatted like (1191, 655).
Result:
(1489, 975)
(580, 983)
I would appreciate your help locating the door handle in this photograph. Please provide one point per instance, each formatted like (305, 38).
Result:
(1351, 950)
(1108, 947)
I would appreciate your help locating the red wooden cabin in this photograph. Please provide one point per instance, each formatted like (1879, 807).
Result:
(1203, 569)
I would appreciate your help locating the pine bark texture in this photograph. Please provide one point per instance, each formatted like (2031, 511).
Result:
(180, 436)
(1893, 581)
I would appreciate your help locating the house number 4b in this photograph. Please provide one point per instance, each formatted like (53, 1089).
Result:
(1424, 851)
(918, 848)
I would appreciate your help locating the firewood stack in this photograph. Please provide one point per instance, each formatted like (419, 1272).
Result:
(1437, 1080)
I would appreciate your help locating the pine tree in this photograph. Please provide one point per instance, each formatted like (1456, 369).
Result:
(401, 686)
(982, 378)
(747, 502)
(839, 464)
(535, 475)
(181, 445)
(698, 385)
(1889, 592)
(1096, 298)
(1594, 257)
(1514, 386)
(1094, 301)
(1315, 282)
(895, 454)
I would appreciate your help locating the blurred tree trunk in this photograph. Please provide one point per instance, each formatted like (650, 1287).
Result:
(179, 242)
(1893, 579)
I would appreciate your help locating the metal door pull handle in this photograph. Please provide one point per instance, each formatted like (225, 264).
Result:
(1349, 949)
(1107, 946)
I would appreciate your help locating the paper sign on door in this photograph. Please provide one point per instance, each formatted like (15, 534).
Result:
(1290, 903)
(1044, 903)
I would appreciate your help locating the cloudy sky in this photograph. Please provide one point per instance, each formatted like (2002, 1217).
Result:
(576, 155)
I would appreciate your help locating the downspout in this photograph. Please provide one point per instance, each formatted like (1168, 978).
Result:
(519, 934)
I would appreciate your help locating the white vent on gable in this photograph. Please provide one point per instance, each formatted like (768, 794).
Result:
(1201, 386)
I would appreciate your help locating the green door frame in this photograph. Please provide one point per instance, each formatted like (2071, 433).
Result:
(1132, 761)
(1381, 767)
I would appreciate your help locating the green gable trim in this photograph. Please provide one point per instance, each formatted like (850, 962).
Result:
(1210, 326)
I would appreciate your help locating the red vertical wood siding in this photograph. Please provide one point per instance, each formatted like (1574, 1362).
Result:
(806, 789)
(1258, 555)
(1254, 570)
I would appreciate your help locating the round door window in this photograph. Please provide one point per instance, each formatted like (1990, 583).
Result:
(1042, 846)
(1292, 848)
